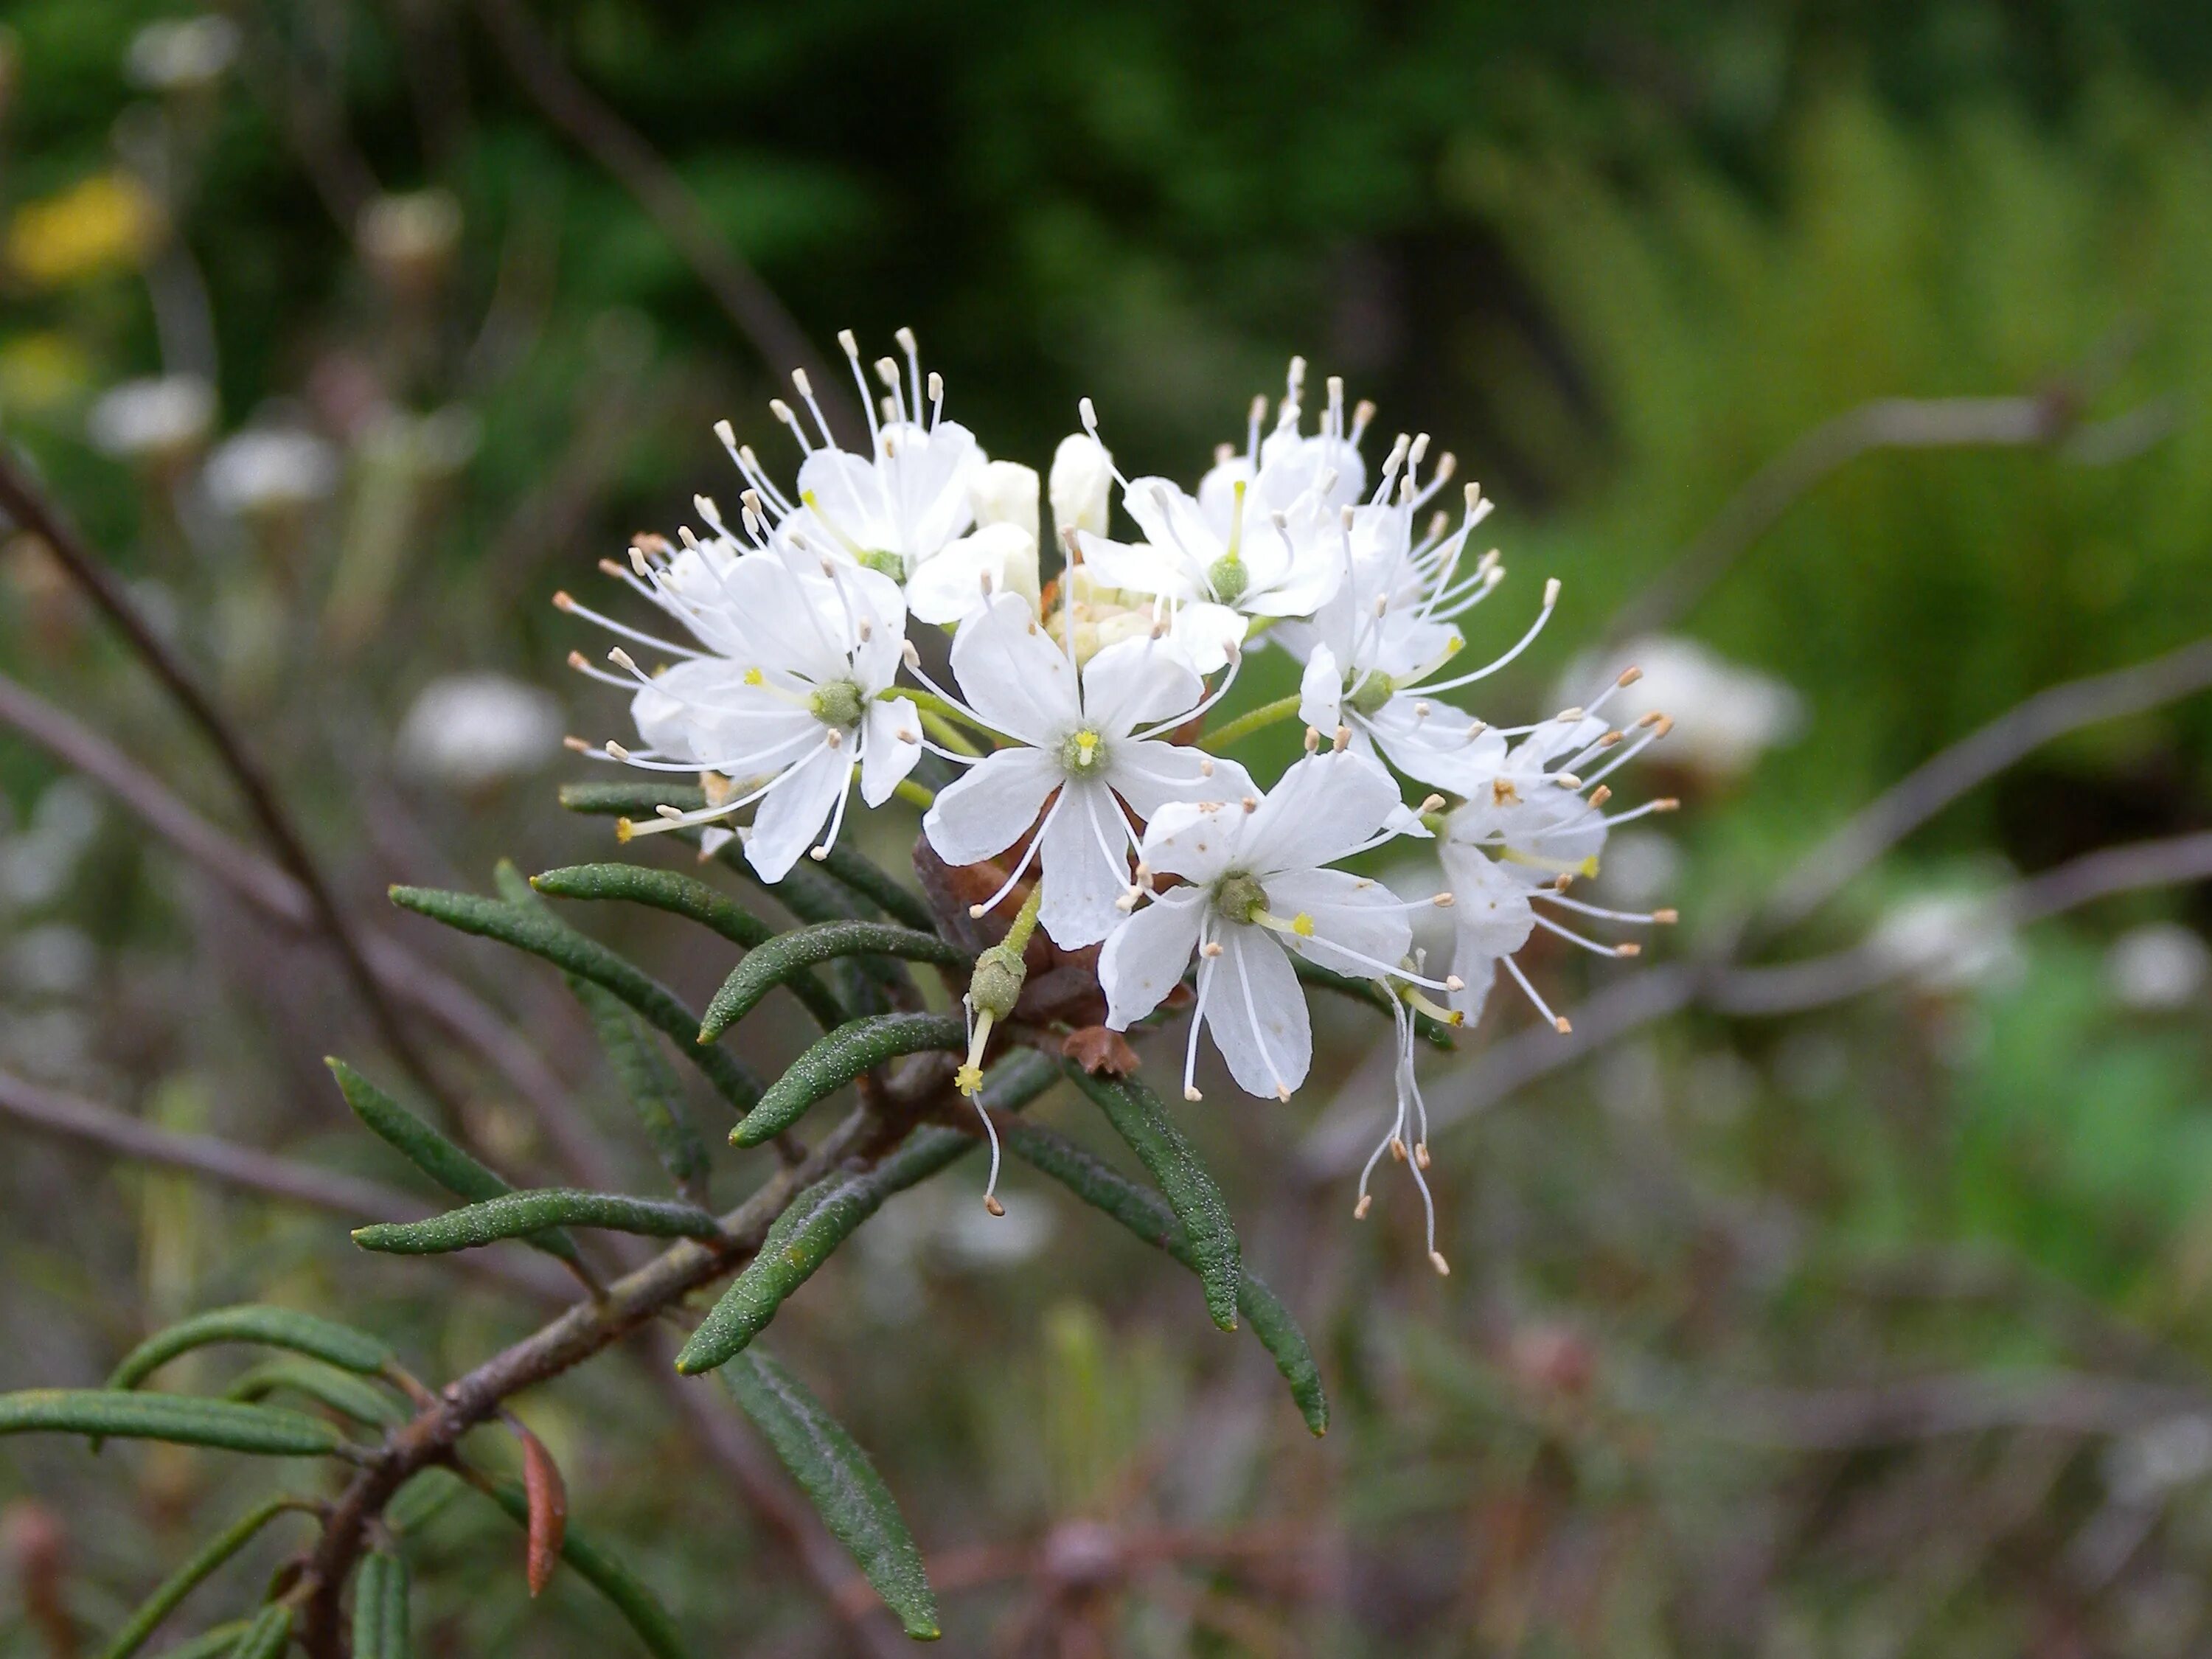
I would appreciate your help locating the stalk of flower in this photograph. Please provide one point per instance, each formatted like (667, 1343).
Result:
(794, 693)
(993, 988)
(909, 508)
(1406, 1139)
(1256, 888)
(1084, 751)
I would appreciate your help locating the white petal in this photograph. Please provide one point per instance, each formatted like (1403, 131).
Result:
(1145, 955)
(949, 587)
(1173, 523)
(1356, 913)
(885, 755)
(1476, 970)
(1325, 806)
(1013, 675)
(1199, 844)
(849, 502)
(876, 600)
(1257, 1013)
(1151, 774)
(1208, 632)
(1083, 875)
(791, 816)
(1321, 692)
(1136, 568)
(1491, 914)
(981, 815)
(1138, 683)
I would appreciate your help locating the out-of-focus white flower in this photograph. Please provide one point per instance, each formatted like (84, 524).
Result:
(158, 419)
(37, 861)
(1256, 890)
(409, 238)
(56, 960)
(273, 471)
(2157, 967)
(1089, 738)
(1081, 485)
(1642, 866)
(906, 509)
(790, 696)
(1725, 715)
(184, 54)
(1947, 943)
(474, 732)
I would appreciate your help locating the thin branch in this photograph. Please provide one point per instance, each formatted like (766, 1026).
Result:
(261, 884)
(28, 508)
(618, 147)
(47, 1111)
(1941, 780)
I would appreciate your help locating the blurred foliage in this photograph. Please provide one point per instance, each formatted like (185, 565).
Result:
(1619, 257)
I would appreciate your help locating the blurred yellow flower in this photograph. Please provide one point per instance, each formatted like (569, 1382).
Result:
(41, 371)
(107, 220)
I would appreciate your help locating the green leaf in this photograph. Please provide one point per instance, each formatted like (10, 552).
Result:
(347, 1396)
(216, 1643)
(1146, 1214)
(267, 1637)
(786, 960)
(185, 1579)
(634, 1055)
(430, 1152)
(342, 1346)
(827, 1213)
(541, 934)
(263, 1430)
(847, 1492)
(868, 878)
(857, 1046)
(423, 1497)
(685, 895)
(379, 1608)
(1159, 1143)
(628, 1594)
(1434, 1032)
(516, 1215)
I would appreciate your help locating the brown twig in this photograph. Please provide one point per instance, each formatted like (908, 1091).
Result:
(48, 1111)
(28, 508)
(618, 147)
(404, 974)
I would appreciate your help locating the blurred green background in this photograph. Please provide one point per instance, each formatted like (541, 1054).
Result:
(1878, 1328)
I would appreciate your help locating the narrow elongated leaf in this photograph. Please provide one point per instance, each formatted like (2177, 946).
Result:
(187, 1421)
(874, 884)
(628, 1594)
(827, 1213)
(1434, 1032)
(333, 1344)
(649, 1084)
(1147, 1215)
(787, 960)
(267, 1636)
(185, 1579)
(541, 934)
(430, 1152)
(346, 1394)
(847, 1492)
(857, 1046)
(518, 1214)
(379, 1608)
(546, 1494)
(688, 896)
(1159, 1143)
(424, 1497)
(217, 1644)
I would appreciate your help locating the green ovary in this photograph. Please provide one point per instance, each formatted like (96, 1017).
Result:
(837, 702)
(1239, 898)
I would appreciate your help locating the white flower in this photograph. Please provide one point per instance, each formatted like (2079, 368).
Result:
(473, 730)
(1081, 484)
(906, 509)
(409, 236)
(153, 419)
(1087, 740)
(182, 54)
(787, 697)
(1725, 716)
(1005, 493)
(2157, 967)
(1949, 943)
(1524, 837)
(1257, 889)
(1261, 539)
(274, 470)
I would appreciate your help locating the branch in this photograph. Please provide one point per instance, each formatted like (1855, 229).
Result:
(1836, 1419)
(48, 1112)
(28, 506)
(277, 896)
(619, 147)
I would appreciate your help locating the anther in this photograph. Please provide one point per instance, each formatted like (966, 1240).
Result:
(1565, 1027)
(1250, 803)
(1343, 738)
(1191, 1093)
(563, 602)
(622, 659)
(1602, 794)
(1366, 1203)
(993, 1205)
(1666, 918)
(1210, 948)
(1430, 804)
(1397, 1150)
(608, 566)
(799, 380)
(575, 746)
(615, 750)
(1551, 592)
(1313, 739)
(665, 810)
(576, 661)
(1630, 949)
(1436, 1261)
(1420, 1154)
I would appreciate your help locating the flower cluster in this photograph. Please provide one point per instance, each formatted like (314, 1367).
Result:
(1071, 716)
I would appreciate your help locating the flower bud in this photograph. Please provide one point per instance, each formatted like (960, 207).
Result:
(996, 984)
(1005, 492)
(1082, 474)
